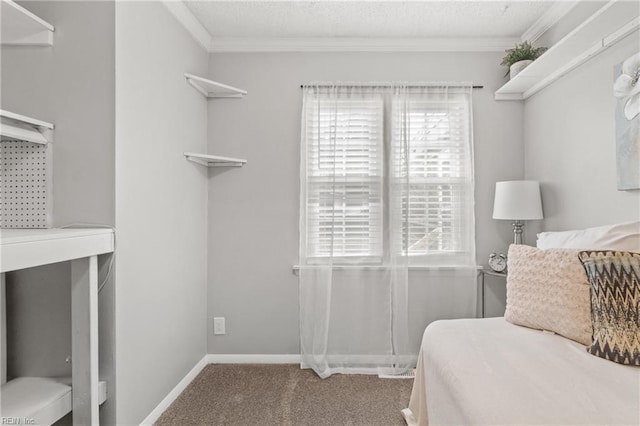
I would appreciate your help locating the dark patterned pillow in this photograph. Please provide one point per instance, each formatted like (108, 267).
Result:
(615, 304)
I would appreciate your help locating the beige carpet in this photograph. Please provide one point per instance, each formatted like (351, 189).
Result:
(286, 395)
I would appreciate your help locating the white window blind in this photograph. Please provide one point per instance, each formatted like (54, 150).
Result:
(432, 170)
(371, 195)
(344, 178)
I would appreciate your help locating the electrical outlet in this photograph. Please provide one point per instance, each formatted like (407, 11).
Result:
(218, 325)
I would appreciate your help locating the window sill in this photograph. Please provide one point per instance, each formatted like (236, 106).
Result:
(296, 268)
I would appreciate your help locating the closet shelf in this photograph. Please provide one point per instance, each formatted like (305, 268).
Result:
(19, 27)
(40, 399)
(611, 23)
(20, 127)
(213, 89)
(215, 160)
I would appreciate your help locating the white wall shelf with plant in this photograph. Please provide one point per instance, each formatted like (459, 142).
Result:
(610, 24)
(214, 160)
(20, 27)
(20, 127)
(212, 89)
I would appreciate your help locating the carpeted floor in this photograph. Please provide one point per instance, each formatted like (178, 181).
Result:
(286, 395)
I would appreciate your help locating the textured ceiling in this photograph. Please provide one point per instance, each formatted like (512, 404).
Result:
(424, 19)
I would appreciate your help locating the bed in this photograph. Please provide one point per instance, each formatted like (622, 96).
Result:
(584, 287)
(492, 372)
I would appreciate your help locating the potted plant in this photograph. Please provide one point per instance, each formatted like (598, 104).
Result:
(520, 57)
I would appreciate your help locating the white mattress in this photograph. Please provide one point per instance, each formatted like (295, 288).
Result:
(491, 372)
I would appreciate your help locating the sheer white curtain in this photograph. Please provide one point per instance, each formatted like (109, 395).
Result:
(371, 168)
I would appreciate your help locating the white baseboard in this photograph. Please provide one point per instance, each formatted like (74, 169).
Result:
(253, 359)
(175, 392)
(216, 359)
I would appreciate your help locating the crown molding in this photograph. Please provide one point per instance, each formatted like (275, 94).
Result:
(359, 44)
(548, 19)
(189, 21)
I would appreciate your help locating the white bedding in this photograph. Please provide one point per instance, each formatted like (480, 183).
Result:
(491, 372)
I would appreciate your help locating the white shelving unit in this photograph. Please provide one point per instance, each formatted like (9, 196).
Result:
(48, 399)
(214, 160)
(43, 399)
(614, 21)
(21, 127)
(212, 89)
(19, 27)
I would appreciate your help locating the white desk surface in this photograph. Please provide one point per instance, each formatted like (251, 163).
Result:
(12, 236)
(25, 248)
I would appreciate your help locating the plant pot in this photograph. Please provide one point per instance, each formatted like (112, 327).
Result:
(517, 67)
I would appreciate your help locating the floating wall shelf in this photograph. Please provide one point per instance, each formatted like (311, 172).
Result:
(19, 27)
(19, 127)
(611, 23)
(215, 160)
(213, 89)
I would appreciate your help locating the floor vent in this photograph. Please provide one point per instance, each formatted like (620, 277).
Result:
(407, 375)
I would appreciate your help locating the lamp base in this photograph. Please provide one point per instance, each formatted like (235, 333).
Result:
(517, 231)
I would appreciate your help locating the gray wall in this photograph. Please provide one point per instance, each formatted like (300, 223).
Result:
(570, 146)
(161, 203)
(72, 85)
(576, 16)
(253, 211)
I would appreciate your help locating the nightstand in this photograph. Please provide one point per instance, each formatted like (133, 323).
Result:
(491, 272)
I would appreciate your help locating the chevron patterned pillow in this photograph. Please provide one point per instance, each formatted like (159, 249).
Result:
(615, 304)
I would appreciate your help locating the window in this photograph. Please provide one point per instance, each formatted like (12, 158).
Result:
(366, 195)
(431, 151)
(344, 163)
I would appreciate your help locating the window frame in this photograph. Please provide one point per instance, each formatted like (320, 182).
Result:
(465, 240)
(465, 181)
(314, 255)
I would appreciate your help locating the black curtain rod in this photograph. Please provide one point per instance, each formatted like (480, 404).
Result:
(388, 85)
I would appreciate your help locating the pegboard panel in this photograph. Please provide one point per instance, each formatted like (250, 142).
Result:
(25, 185)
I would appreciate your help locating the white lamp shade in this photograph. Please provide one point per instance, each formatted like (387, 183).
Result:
(517, 200)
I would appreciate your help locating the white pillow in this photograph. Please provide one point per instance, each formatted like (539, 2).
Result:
(621, 237)
(549, 290)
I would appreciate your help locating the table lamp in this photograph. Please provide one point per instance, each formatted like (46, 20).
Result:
(517, 200)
